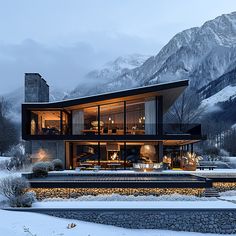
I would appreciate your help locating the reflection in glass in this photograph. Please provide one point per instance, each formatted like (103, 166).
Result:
(112, 119)
(49, 123)
(85, 121)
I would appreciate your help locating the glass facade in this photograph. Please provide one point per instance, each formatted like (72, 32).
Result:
(49, 123)
(133, 117)
(111, 155)
(85, 121)
(141, 117)
(112, 119)
(85, 154)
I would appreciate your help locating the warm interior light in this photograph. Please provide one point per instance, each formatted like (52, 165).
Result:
(114, 156)
(41, 155)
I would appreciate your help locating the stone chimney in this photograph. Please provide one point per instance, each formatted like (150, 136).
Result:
(36, 88)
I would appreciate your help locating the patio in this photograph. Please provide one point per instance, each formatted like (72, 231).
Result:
(118, 179)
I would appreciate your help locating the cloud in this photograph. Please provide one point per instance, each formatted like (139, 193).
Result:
(64, 65)
(59, 65)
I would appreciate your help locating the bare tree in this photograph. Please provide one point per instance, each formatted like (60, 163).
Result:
(185, 109)
(4, 107)
(15, 190)
(13, 186)
(8, 130)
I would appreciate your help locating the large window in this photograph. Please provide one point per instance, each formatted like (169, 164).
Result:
(85, 154)
(141, 152)
(85, 121)
(111, 155)
(141, 117)
(49, 123)
(112, 119)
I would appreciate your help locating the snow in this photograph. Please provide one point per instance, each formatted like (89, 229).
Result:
(118, 197)
(136, 204)
(89, 172)
(14, 223)
(6, 173)
(224, 95)
(229, 198)
(4, 158)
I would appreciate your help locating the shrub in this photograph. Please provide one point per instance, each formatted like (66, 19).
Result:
(14, 189)
(50, 166)
(4, 164)
(58, 165)
(40, 169)
(19, 159)
(24, 200)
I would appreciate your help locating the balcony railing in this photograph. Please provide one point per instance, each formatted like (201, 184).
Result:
(147, 129)
(191, 129)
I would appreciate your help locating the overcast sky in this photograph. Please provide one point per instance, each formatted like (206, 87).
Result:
(64, 39)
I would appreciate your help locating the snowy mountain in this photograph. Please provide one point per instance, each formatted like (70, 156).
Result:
(227, 93)
(200, 54)
(94, 80)
(205, 55)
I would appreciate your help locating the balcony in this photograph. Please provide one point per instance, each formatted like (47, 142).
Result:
(181, 129)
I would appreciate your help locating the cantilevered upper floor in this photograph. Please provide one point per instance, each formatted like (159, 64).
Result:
(132, 114)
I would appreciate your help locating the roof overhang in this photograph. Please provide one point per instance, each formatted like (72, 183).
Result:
(169, 91)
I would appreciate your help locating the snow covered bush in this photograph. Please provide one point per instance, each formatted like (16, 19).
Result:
(14, 189)
(50, 166)
(24, 200)
(19, 159)
(4, 163)
(40, 169)
(58, 165)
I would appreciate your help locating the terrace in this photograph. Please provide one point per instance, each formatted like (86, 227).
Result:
(118, 179)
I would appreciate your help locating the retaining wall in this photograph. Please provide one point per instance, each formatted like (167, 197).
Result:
(221, 221)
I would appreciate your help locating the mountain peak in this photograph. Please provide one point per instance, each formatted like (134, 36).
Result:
(110, 71)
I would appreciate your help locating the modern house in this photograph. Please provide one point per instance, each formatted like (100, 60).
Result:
(111, 130)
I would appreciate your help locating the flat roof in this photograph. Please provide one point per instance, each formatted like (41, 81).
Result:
(170, 92)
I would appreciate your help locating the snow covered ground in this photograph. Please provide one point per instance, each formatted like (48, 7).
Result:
(118, 197)
(4, 158)
(26, 224)
(18, 223)
(221, 96)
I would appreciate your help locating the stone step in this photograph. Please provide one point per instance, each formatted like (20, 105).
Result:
(210, 192)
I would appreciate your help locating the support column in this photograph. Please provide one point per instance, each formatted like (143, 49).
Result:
(191, 148)
(99, 121)
(99, 153)
(125, 155)
(160, 115)
(61, 124)
(125, 118)
(187, 147)
(71, 154)
(160, 151)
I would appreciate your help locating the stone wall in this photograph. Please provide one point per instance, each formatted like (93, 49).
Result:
(47, 150)
(224, 186)
(36, 88)
(36, 91)
(220, 221)
(65, 193)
